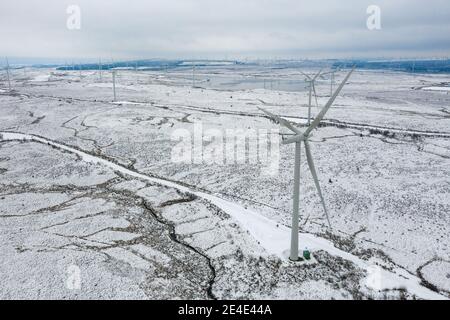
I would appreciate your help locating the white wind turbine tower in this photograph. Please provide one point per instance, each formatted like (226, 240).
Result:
(114, 83)
(298, 138)
(193, 75)
(7, 73)
(331, 82)
(100, 69)
(136, 72)
(332, 74)
(312, 87)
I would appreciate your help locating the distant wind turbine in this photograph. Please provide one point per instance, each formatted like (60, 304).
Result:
(332, 82)
(298, 138)
(7, 73)
(312, 87)
(100, 69)
(114, 83)
(193, 75)
(332, 74)
(136, 71)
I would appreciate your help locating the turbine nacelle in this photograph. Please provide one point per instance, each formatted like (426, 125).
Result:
(294, 139)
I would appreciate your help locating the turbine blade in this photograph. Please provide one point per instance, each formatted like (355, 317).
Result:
(322, 113)
(309, 78)
(281, 121)
(315, 93)
(312, 168)
(317, 75)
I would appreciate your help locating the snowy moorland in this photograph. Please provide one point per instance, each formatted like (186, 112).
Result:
(89, 187)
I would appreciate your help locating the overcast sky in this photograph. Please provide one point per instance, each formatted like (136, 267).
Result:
(224, 29)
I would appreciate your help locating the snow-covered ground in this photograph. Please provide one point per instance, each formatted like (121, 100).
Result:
(89, 185)
(437, 88)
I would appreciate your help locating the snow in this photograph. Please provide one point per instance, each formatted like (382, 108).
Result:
(127, 102)
(41, 78)
(443, 89)
(382, 158)
(213, 63)
(438, 274)
(271, 236)
(118, 86)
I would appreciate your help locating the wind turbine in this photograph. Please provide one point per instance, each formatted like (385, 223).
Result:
(312, 87)
(136, 71)
(114, 83)
(193, 75)
(331, 82)
(7, 73)
(298, 138)
(100, 69)
(332, 74)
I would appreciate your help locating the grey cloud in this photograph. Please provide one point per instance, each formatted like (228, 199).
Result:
(212, 28)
